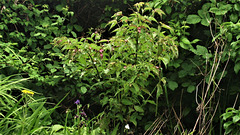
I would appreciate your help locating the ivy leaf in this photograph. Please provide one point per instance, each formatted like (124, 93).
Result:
(193, 19)
(190, 89)
(172, 85)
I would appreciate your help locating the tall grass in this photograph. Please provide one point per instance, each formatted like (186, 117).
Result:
(24, 114)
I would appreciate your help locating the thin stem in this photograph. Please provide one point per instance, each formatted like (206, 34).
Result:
(94, 64)
(136, 47)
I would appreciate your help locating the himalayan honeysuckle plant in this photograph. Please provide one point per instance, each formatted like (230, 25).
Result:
(117, 71)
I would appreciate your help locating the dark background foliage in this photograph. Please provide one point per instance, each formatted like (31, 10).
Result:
(56, 42)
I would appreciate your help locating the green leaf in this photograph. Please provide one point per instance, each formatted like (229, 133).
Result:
(237, 7)
(83, 90)
(222, 10)
(236, 118)
(190, 89)
(136, 87)
(115, 130)
(165, 60)
(227, 115)
(234, 18)
(47, 46)
(113, 23)
(59, 8)
(168, 9)
(237, 67)
(104, 101)
(185, 41)
(193, 19)
(138, 108)
(146, 91)
(78, 28)
(201, 50)
(172, 85)
(227, 124)
(159, 90)
(133, 118)
(127, 102)
(74, 34)
(56, 128)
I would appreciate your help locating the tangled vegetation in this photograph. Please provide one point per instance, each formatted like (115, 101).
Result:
(162, 67)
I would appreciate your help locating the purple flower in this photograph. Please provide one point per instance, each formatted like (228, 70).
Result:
(83, 113)
(101, 50)
(77, 102)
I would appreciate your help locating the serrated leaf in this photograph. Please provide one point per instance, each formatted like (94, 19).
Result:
(193, 19)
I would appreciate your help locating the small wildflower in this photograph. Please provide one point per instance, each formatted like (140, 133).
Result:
(77, 102)
(101, 55)
(157, 67)
(125, 67)
(101, 50)
(139, 30)
(83, 113)
(127, 126)
(28, 92)
(76, 116)
(90, 48)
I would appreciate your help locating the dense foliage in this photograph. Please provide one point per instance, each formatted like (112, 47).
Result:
(162, 67)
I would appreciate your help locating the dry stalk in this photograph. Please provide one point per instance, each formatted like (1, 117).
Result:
(204, 111)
